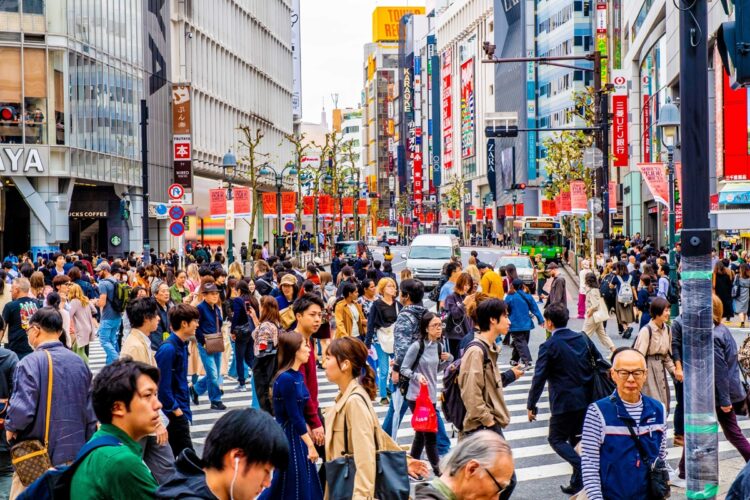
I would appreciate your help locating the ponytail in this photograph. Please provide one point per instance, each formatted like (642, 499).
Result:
(354, 350)
(367, 381)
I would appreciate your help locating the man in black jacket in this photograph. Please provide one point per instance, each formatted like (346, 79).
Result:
(8, 361)
(564, 363)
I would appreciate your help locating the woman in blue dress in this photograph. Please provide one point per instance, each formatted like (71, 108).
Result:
(299, 481)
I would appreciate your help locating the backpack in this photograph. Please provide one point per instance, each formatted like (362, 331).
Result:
(120, 295)
(607, 293)
(55, 483)
(435, 292)
(403, 382)
(452, 404)
(673, 294)
(625, 294)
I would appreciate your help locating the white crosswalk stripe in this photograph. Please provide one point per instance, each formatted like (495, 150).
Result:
(534, 458)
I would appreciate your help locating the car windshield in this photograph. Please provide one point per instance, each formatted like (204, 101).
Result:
(347, 248)
(432, 253)
(519, 262)
(542, 237)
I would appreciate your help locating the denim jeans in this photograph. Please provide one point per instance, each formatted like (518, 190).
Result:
(210, 382)
(233, 362)
(443, 441)
(383, 367)
(108, 330)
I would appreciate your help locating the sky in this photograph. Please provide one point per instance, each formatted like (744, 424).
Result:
(333, 35)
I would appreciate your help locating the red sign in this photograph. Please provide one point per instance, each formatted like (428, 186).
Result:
(325, 205)
(578, 197)
(612, 188)
(288, 202)
(566, 207)
(487, 214)
(308, 205)
(269, 206)
(655, 177)
(620, 130)
(242, 206)
(182, 148)
(447, 107)
(646, 129)
(546, 209)
(217, 202)
(509, 210)
(715, 202)
(736, 159)
(362, 207)
(348, 206)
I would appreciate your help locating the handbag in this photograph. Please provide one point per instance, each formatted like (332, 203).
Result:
(385, 338)
(602, 313)
(214, 342)
(657, 477)
(242, 332)
(287, 317)
(424, 416)
(31, 458)
(391, 473)
(601, 383)
(736, 287)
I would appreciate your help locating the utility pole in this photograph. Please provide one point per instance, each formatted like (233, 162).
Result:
(701, 438)
(144, 180)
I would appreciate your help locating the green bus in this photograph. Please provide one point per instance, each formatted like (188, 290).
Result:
(541, 236)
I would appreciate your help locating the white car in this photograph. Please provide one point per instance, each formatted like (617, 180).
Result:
(524, 267)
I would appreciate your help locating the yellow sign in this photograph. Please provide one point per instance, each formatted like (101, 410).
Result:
(385, 22)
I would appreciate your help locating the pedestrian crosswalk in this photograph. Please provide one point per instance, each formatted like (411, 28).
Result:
(534, 458)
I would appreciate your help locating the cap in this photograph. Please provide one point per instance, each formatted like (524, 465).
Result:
(209, 288)
(517, 284)
(482, 265)
(318, 261)
(103, 266)
(117, 268)
(288, 279)
(551, 266)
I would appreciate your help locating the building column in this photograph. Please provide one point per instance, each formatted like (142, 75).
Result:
(49, 207)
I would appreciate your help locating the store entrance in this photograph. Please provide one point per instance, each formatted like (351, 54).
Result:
(16, 236)
(88, 235)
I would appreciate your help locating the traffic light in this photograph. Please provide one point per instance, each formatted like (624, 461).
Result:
(733, 40)
(7, 113)
(502, 131)
(518, 187)
(124, 209)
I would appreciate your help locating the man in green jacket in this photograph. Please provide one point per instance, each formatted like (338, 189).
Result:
(125, 400)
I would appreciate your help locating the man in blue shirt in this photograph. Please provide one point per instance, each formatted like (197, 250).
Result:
(171, 358)
(111, 320)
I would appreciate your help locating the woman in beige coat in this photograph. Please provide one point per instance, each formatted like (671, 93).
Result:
(655, 343)
(345, 358)
(593, 303)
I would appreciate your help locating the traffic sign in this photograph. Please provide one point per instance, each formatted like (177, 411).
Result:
(176, 228)
(176, 191)
(176, 212)
(289, 227)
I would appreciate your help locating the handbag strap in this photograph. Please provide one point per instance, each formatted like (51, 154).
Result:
(346, 427)
(49, 398)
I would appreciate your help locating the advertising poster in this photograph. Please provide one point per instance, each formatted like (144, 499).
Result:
(655, 177)
(578, 197)
(612, 197)
(217, 200)
(447, 106)
(362, 207)
(467, 109)
(620, 130)
(288, 203)
(325, 205)
(308, 205)
(565, 203)
(241, 197)
(347, 206)
(269, 206)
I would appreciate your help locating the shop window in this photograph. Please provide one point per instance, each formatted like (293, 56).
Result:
(33, 6)
(8, 5)
(10, 96)
(35, 95)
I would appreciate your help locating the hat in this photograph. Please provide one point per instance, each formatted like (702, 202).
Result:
(288, 279)
(551, 266)
(116, 268)
(318, 261)
(209, 288)
(103, 266)
(482, 265)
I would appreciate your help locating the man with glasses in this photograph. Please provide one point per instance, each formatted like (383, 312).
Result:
(479, 467)
(611, 461)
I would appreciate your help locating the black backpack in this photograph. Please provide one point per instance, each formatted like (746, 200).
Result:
(435, 292)
(673, 294)
(453, 405)
(608, 294)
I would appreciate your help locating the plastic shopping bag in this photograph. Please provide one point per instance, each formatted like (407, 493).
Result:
(424, 417)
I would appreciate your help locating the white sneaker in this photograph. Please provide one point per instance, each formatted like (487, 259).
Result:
(240, 388)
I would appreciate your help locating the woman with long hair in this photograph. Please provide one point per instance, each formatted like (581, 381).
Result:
(593, 303)
(235, 270)
(457, 322)
(350, 319)
(423, 370)
(193, 278)
(511, 274)
(741, 302)
(380, 323)
(646, 295)
(585, 270)
(265, 343)
(38, 290)
(242, 328)
(388, 270)
(179, 291)
(722, 281)
(82, 327)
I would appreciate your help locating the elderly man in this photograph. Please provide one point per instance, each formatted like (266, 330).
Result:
(615, 426)
(479, 467)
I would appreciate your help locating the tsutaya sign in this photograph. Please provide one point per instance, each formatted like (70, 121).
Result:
(23, 161)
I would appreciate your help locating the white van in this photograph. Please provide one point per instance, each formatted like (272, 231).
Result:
(427, 255)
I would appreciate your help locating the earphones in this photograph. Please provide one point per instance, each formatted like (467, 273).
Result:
(234, 478)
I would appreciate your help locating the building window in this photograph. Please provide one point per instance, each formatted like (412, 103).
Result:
(35, 95)
(10, 96)
(33, 6)
(8, 5)
(578, 5)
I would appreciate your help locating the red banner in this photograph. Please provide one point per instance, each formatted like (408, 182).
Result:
(242, 206)
(655, 177)
(678, 196)
(308, 205)
(548, 207)
(488, 214)
(565, 207)
(288, 202)
(217, 201)
(646, 127)
(620, 130)
(612, 197)
(362, 207)
(269, 206)
(509, 210)
(430, 218)
(347, 206)
(325, 205)
(578, 197)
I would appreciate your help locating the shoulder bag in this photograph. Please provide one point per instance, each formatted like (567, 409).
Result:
(736, 287)
(602, 313)
(657, 477)
(31, 458)
(242, 332)
(391, 473)
(214, 342)
(601, 383)
(287, 317)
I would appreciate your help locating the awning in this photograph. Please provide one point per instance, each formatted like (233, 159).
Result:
(735, 193)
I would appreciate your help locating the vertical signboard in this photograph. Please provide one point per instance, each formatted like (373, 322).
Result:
(242, 206)
(296, 62)
(491, 176)
(434, 112)
(578, 197)
(182, 135)
(447, 108)
(620, 130)
(601, 35)
(467, 109)
(646, 128)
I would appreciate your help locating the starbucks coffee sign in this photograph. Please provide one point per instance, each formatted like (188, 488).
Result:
(26, 161)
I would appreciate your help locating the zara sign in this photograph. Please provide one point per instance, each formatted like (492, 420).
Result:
(23, 161)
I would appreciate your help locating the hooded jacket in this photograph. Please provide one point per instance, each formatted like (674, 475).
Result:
(406, 331)
(189, 480)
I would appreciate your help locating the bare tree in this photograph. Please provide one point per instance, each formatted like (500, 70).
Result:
(250, 167)
(299, 149)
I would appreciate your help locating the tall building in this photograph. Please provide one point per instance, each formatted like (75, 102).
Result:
(237, 58)
(73, 76)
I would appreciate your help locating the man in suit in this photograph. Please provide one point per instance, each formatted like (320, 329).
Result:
(564, 363)
(557, 293)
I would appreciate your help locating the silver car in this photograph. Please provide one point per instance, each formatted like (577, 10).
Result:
(524, 266)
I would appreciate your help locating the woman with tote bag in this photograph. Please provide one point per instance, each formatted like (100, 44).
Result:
(597, 312)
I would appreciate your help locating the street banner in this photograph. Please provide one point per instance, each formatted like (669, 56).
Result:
(325, 205)
(509, 210)
(678, 196)
(217, 203)
(362, 207)
(269, 206)
(655, 177)
(348, 206)
(548, 207)
(612, 197)
(620, 130)
(308, 205)
(242, 206)
(646, 128)
(430, 218)
(488, 214)
(578, 197)
(565, 207)
(288, 202)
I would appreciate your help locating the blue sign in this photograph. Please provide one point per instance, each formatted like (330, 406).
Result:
(177, 228)
(176, 212)
(289, 227)
(161, 209)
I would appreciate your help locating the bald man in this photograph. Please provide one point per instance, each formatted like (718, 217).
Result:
(613, 467)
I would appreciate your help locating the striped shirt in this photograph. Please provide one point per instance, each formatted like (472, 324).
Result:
(592, 439)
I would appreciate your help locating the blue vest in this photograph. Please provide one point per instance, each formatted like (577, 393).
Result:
(621, 470)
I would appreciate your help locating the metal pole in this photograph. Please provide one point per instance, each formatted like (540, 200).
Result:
(279, 239)
(701, 429)
(605, 176)
(230, 252)
(144, 181)
(672, 226)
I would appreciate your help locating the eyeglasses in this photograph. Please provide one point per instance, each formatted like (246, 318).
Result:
(500, 487)
(435, 325)
(625, 374)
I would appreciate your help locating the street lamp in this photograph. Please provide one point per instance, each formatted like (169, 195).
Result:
(279, 183)
(229, 165)
(669, 128)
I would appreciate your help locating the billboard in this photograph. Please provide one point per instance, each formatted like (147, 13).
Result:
(467, 109)
(736, 138)
(385, 22)
(447, 106)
